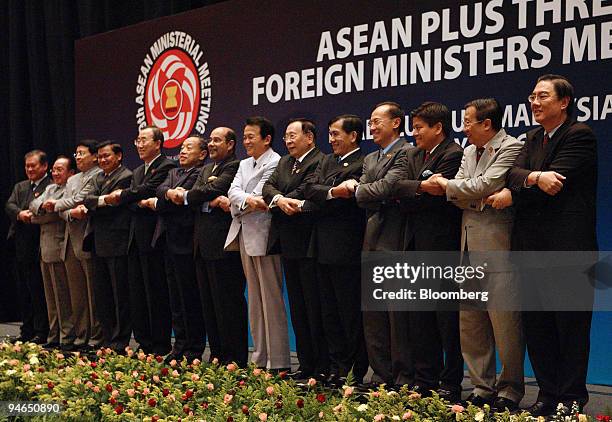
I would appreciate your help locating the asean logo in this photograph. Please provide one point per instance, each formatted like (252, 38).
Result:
(174, 89)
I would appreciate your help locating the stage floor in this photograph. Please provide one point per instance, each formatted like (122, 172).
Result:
(600, 395)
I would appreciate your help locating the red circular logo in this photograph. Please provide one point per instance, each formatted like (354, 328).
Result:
(173, 96)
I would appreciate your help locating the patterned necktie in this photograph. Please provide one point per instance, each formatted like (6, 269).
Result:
(427, 154)
(479, 152)
(545, 140)
(296, 167)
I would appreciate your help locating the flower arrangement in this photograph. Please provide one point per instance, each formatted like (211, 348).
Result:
(136, 386)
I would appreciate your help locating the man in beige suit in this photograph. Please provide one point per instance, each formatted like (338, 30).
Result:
(52, 227)
(249, 230)
(484, 228)
(78, 262)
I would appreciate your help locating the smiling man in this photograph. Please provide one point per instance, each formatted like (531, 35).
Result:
(554, 184)
(290, 233)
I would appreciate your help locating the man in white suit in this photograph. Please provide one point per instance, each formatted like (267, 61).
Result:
(484, 228)
(249, 233)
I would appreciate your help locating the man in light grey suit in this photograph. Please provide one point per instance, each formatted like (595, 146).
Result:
(386, 332)
(249, 233)
(52, 227)
(78, 263)
(483, 172)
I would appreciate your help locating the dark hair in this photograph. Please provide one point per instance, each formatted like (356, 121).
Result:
(350, 123)
(116, 148)
(488, 108)
(265, 126)
(42, 156)
(308, 126)
(202, 142)
(230, 135)
(563, 88)
(395, 111)
(433, 113)
(71, 161)
(158, 135)
(90, 144)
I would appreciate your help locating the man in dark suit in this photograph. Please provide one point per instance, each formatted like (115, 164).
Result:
(220, 276)
(175, 224)
(26, 235)
(149, 304)
(107, 237)
(554, 181)
(389, 351)
(291, 232)
(432, 224)
(336, 243)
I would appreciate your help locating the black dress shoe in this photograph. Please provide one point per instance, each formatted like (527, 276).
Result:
(173, 356)
(68, 347)
(367, 386)
(51, 345)
(298, 375)
(38, 340)
(501, 404)
(477, 400)
(541, 408)
(451, 395)
(24, 338)
(422, 390)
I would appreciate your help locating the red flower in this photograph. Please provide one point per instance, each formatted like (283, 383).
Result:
(282, 375)
(603, 418)
(41, 369)
(112, 401)
(241, 383)
(189, 393)
(50, 385)
(136, 384)
(152, 402)
(159, 359)
(278, 404)
(245, 409)
(321, 398)
(119, 409)
(165, 392)
(184, 397)
(142, 378)
(164, 371)
(154, 418)
(204, 405)
(186, 409)
(94, 376)
(299, 403)
(93, 365)
(230, 419)
(109, 388)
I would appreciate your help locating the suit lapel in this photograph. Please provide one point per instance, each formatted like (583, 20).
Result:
(490, 149)
(381, 165)
(427, 165)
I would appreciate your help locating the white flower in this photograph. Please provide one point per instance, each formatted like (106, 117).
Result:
(10, 372)
(396, 418)
(362, 407)
(479, 416)
(34, 360)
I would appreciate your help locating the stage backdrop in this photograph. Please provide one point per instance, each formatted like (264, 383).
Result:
(217, 65)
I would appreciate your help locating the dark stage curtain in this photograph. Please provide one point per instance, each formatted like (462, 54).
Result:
(37, 85)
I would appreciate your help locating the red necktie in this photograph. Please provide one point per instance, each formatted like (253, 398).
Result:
(545, 141)
(426, 156)
(479, 152)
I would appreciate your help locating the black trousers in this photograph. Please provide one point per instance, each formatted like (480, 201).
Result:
(437, 349)
(32, 298)
(112, 300)
(187, 319)
(306, 319)
(558, 344)
(340, 294)
(221, 283)
(151, 318)
(389, 347)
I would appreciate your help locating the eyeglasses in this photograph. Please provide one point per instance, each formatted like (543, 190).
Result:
(79, 154)
(376, 122)
(468, 124)
(290, 136)
(140, 141)
(540, 97)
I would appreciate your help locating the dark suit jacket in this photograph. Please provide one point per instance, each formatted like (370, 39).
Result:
(211, 228)
(565, 221)
(176, 221)
(108, 229)
(432, 223)
(340, 224)
(290, 233)
(143, 187)
(385, 226)
(27, 236)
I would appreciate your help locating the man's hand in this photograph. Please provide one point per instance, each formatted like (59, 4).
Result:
(350, 184)
(550, 182)
(49, 205)
(289, 206)
(342, 191)
(221, 201)
(176, 195)
(256, 203)
(25, 216)
(79, 212)
(431, 186)
(500, 200)
(440, 180)
(148, 203)
(113, 197)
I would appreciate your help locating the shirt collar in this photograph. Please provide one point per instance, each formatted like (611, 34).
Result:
(552, 132)
(349, 153)
(305, 154)
(388, 147)
(113, 172)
